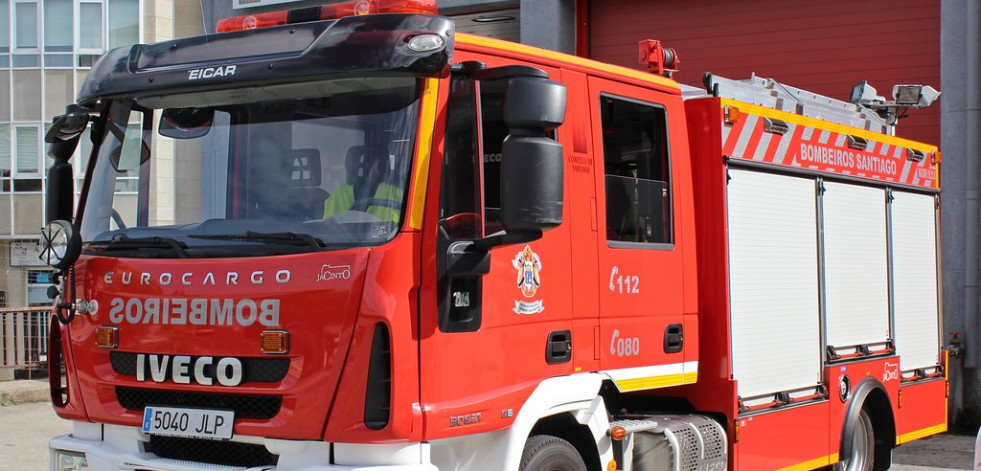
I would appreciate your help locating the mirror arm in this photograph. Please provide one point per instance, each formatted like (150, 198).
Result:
(66, 130)
(61, 151)
(506, 238)
(463, 260)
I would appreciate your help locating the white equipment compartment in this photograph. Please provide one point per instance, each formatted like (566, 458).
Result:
(856, 265)
(914, 235)
(773, 276)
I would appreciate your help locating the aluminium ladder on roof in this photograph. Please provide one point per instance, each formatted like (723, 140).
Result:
(774, 95)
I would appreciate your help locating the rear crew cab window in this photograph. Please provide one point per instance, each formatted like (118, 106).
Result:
(636, 172)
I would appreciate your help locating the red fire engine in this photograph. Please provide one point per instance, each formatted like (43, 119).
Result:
(345, 237)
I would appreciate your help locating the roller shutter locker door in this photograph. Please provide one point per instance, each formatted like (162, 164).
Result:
(773, 278)
(856, 265)
(914, 235)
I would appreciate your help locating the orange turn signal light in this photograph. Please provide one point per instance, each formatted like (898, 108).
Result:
(618, 433)
(730, 114)
(107, 336)
(275, 342)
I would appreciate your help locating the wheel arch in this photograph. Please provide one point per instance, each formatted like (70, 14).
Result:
(568, 407)
(566, 427)
(871, 395)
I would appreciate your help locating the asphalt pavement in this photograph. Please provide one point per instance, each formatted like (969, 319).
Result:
(27, 422)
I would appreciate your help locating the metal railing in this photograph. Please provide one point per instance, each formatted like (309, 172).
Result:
(24, 337)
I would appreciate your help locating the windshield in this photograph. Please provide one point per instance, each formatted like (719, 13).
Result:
(256, 171)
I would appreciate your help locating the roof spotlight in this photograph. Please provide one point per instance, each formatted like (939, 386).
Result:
(914, 96)
(865, 94)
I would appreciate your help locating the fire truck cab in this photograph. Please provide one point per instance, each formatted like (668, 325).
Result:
(346, 237)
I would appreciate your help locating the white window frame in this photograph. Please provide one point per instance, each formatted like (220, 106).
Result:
(105, 23)
(15, 172)
(14, 48)
(42, 27)
(10, 150)
(10, 27)
(103, 32)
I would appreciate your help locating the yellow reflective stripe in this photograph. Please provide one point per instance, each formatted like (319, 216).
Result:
(568, 59)
(651, 377)
(918, 434)
(825, 125)
(424, 150)
(650, 382)
(812, 464)
(690, 378)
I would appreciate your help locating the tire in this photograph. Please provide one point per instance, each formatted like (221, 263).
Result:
(548, 453)
(863, 446)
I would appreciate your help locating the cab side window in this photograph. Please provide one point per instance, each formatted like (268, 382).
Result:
(493, 132)
(459, 200)
(472, 165)
(637, 172)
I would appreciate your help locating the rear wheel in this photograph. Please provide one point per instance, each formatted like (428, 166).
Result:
(548, 453)
(863, 446)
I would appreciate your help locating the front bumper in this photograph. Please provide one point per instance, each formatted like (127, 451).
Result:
(119, 448)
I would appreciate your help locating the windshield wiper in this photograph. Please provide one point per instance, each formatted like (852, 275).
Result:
(287, 238)
(123, 242)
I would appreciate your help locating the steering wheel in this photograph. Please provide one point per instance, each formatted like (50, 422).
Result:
(460, 225)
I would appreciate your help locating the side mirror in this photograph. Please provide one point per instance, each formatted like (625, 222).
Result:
(60, 244)
(59, 195)
(67, 127)
(62, 140)
(532, 190)
(532, 164)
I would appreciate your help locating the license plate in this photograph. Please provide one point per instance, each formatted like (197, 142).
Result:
(189, 423)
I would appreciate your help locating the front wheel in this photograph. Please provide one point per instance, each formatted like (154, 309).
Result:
(548, 453)
(863, 446)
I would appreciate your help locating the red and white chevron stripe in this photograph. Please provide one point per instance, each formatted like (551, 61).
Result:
(821, 150)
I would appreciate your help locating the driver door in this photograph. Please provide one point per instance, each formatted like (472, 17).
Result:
(487, 335)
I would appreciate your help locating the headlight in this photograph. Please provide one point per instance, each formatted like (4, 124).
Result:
(63, 460)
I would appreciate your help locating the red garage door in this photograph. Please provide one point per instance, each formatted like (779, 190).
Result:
(824, 47)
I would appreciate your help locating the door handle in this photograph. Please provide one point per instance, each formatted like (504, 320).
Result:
(674, 338)
(558, 349)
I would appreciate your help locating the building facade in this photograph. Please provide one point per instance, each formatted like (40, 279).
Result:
(46, 47)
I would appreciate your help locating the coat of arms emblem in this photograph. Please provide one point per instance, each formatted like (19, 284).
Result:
(529, 266)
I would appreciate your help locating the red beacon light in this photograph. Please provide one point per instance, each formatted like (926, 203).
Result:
(367, 7)
(326, 12)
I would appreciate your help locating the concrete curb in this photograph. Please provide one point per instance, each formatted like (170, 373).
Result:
(23, 391)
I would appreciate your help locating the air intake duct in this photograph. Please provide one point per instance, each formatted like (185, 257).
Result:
(378, 391)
